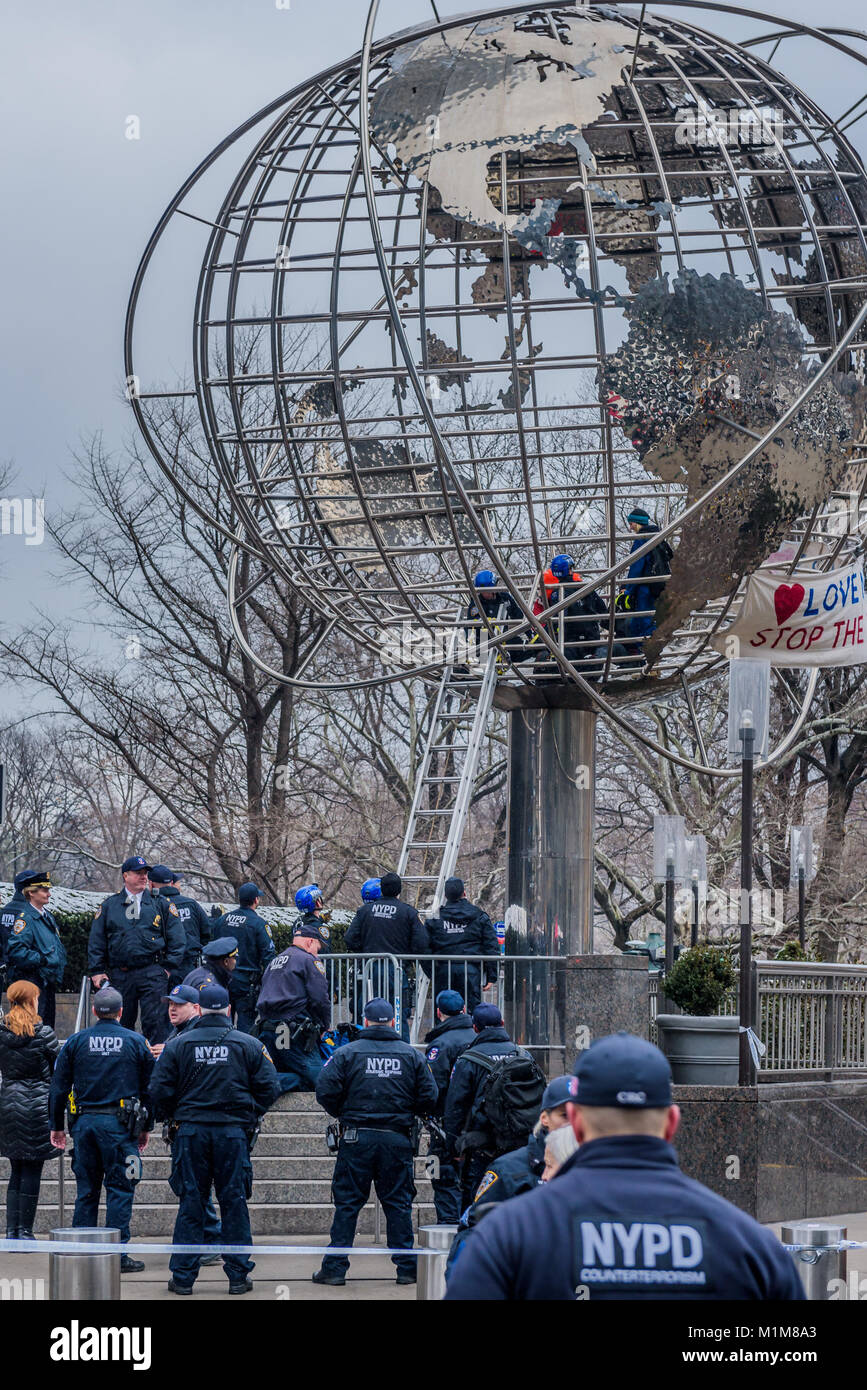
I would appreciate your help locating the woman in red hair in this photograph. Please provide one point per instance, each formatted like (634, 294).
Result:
(28, 1050)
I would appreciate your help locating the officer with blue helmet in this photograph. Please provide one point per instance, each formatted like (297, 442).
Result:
(193, 918)
(103, 1075)
(308, 901)
(255, 949)
(295, 1008)
(8, 913)
(620, 1218)
(35, 951)
(375, 1087)
(443, 1045)
(487, 600)
(136, 941)
(371, 890)
(219, 959)
(213, 1082)
(578, 622)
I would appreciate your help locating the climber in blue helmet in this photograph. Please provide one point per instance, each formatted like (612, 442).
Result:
(488, 600)
(577, 626)
(371, 890)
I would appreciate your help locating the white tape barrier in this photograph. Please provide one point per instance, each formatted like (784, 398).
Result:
(82, 1247)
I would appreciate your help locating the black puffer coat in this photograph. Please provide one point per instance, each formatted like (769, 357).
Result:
(26, 1065)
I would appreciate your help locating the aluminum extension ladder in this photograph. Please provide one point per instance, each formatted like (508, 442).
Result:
(444, 789)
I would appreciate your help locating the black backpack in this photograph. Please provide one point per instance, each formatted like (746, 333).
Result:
(510, 1099)
(659, 566)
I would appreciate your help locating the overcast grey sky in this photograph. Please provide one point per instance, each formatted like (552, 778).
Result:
(82, 199)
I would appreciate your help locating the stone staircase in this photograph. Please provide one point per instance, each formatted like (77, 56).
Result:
(291, 1182)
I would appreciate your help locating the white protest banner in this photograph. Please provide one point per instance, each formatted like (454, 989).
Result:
(801, 619)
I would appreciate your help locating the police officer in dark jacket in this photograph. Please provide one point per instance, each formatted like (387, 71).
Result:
(387, 924)
(295, 1007)
(462, 1118)
(219, 959)
(521, 1169)
(443, 1045)
(214, 1082)
(7, 920)
(619, 1218)
(35, 951)
(136, 941)
(255, 949)
(193, 918)
(462, 929)
(578, 622)
(375, 1087)
(487, 600)
(107, 1068)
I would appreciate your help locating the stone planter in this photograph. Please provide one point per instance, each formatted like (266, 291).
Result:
(703, 1051)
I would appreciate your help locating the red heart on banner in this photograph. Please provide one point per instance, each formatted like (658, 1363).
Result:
(787, 598)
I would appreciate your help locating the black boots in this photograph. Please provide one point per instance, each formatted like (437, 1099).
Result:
(11, 1215)
(27, 1204)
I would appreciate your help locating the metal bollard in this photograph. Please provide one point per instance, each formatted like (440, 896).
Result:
(88, 1278)
(817, 1270)
(431, 1282)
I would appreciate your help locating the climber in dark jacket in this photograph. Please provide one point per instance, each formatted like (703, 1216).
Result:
(28, 1050)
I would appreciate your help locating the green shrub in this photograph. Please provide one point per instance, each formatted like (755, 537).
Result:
(700, 979)
(793, 950)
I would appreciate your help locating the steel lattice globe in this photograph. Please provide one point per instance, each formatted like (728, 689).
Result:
(508, 278)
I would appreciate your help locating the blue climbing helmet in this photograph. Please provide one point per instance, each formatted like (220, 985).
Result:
(306, 898)
(485, 579)
(562, 566)
(371, 890)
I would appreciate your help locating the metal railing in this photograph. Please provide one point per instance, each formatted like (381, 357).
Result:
(812, 1018)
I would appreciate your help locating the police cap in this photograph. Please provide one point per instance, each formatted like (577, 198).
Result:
(450, 1002)
(213, 997)
(310, 930)
(134, 864)
(223, 946)
(160, 873)
(182, 994)
(487, 1016)
(107, 1001)
(622, 1070)
(558, 1091)
(378, 1011)
(32, 878)
(248, 893)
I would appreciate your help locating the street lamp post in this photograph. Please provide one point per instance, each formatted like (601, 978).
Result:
(801, 872)
(669, 868)
(696, 864)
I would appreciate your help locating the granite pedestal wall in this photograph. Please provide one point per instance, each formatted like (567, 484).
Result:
(779, 1151)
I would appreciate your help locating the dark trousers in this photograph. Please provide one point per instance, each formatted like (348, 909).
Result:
(104, 1153)
(142, 988)
(22, 1194)
(385, 1160)
(243, 1000)
(46, 1008)
(298, 1069)
(472, 1170)
(447, 1193)
(203, 1155)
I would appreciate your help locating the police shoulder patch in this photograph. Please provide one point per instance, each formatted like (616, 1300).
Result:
(319, 966)
(432, 1053)
(488, 1180)
(324, 932)
(172, 909)
(20, 924)
(265, 1052)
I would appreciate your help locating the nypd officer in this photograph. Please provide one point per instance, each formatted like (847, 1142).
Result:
(521, 1169)
(308, 901)
(101, 1073)
(136, 941)
(459, 928)
(294, 1007)
(7, 920)
(463, 1119)
(193, 918)
(219, 959)
(386, 924)
(620, 1219)
(35, 951)
(375, 1087)
(214, 1082)
(255, 949)
(443, 1045)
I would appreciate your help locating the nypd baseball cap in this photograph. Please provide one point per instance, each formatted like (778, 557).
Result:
(450, 1002)
(558, 1091)
(378, 1011)
(182, 994)
(107, 1001)
(487, 1016)
(161, 873)
(222, 946)
(213, 997)
(622, 1070)
(134, 864)
(248, 893)
(314, 933)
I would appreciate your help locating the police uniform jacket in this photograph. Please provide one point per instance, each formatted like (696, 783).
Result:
(387, 925)
(213, 1074)
(295, 983)
(463, 1103)
(102, 1065)
(35, 951)
(210, 974)
(462, 929)
(255, 945)
(621, 1219)
(7, 920)
(377, 1082)
(574, 614)
(117, 941)
(195, 922)
(444, 1044)
(515, 1172)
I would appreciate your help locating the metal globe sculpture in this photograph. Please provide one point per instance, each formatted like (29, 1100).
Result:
(513, 276)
